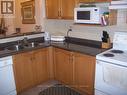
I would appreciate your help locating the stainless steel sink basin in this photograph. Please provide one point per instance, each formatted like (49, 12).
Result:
(15, 47)
(23, 46)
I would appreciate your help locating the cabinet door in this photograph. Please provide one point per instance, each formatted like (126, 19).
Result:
(63, 66)
(40, 65)
(23, 71)
(84, 72)
(67, 9)
(52, 9)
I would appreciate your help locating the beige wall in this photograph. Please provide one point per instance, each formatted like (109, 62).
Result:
(61, 26)
(38, 16)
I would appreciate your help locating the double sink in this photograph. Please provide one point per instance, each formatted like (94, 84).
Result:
(18, 47)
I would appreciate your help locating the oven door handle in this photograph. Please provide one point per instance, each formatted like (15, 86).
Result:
(99, 62)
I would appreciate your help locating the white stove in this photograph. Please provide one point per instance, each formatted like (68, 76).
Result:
(111, 68)
(115, 56)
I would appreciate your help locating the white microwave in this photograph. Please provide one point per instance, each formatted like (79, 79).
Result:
(89, 15)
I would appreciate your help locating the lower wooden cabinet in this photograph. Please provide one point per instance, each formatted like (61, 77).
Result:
(23, 70)
(75, 69)
(30, 69)
(84, 73)
(63, 66)
(40, 59)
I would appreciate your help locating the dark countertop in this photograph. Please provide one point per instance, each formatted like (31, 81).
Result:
(78, 48)
(88, 47)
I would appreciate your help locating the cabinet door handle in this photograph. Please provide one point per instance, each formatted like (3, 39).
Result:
(31, 59)
(58, 13)
(71, 59)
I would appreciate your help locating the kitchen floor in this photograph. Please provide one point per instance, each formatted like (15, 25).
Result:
(36, 90)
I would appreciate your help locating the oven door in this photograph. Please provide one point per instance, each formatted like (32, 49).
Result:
(111, 78)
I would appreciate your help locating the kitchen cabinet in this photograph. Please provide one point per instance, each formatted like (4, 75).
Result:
(52, 9)
(67, 9)
(84, 72)
(60, 9)
(75, 69)
(40, 65)
(63, 66)
(30, 69)
(23, 71)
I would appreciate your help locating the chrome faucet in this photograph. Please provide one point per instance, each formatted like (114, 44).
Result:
(70, 29)
(25, 41)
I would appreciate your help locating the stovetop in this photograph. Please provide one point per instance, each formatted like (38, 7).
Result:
(114, 56)
(118, 54)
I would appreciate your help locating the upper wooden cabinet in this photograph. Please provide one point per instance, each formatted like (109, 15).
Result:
(60, 9)
(67, 9)
(52, 9)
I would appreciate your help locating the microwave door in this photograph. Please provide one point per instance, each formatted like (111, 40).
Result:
(87, 15)
(83, 15)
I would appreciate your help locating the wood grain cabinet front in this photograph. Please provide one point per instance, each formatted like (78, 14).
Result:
(60, 9)
(63, 66)
(52, 9)
(40, 61)
(23, 70)
(30, 69)
(84, 73)
(75, 69)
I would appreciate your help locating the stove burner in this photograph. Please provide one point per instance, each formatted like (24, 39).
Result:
(108, 55)
(117, 51)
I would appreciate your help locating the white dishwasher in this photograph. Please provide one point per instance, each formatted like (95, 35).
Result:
(7, 82)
